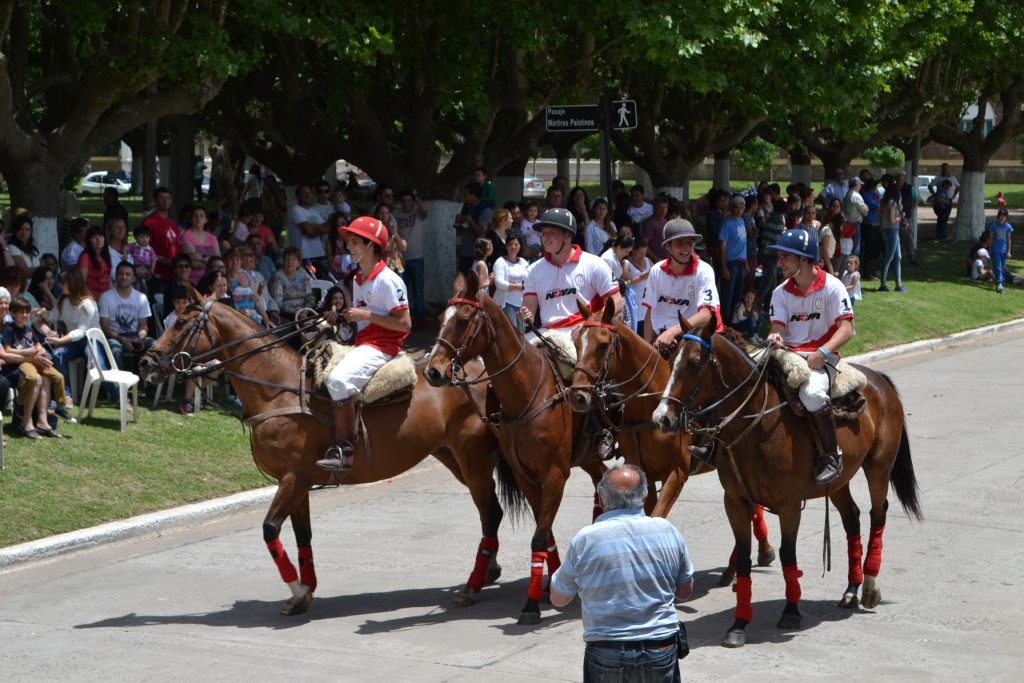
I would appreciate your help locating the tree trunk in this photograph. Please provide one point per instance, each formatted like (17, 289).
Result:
(799, 166)
(440, 246)
(147, 165)
(36, 187)
(508, 182)
(562, 158)
(227, 163)
(182, 158)
(722, 169)
(970, 208)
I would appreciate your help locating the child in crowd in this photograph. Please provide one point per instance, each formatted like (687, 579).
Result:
(851, 279)
(1002, 239)
(143, 256)
(746, 317)
(980, 269)
(180, 300)
(482, 249)
(41, 378)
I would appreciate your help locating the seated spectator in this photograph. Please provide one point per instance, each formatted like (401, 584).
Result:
(76, 312)
(95, 262)
(531, 238)
(40, 377)
(69, 256)
(746, 317)
(10, 374)
(180, 299)
(261, 261)
(50, 261)
(981, 269)
(41, 287)
(124, 316)
(21, 245)
(242, 288)
(291, 287)
(143, 255)
(214, 286)
(259, 282)
(262, 232)
(182, 269)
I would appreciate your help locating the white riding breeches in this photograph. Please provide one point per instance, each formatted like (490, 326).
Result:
(353, 372)
(814, 392)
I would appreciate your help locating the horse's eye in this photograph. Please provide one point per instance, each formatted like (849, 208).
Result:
(603, 346)
(180, 323)
(460, 323)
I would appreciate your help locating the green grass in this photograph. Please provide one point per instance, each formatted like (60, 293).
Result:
(100, 474)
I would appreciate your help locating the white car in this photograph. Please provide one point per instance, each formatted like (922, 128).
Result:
(534, 187)
(97, 181)
(924, 195)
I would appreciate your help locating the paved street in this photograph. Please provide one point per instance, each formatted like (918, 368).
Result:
(201, 603)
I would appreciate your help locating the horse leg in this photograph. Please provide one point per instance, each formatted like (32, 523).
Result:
(670, 490)
(596, 470)
(551, 499)
(738, 512)
(765, 551)
(850, 513)
(304, 541)
(789, 525)
(872, 595)
(280, 508)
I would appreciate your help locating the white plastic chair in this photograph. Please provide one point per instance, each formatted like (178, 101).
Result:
(96, 376)
(323, 286)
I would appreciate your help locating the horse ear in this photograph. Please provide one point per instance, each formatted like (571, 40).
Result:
(472, 284)
(584, 311)
(684, 324)
(608, 314)
(198, 298)
(709, 328)
(458, 285)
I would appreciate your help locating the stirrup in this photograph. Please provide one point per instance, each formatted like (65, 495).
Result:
(828, 468)
(338, 457)
(606, 445)
(699, 457)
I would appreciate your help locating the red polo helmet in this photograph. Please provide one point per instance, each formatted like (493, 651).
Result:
(369, 229)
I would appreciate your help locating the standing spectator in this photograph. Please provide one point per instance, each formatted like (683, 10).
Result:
(516, 211)
(872, 244)
(307, 229)
(531, 237)
(554, 198)
(95, 262)
(600, 229)
(252, 189)
(497, 233)
(562, 184)
(827, 239)
(198, 170)
(117, 243)
(855, 210)
(340, 264)
(274, 204)
(339, 200)
(22, 247)
(69, 255)
(654, 225)
(487, 191)
(509, 277)
(716, 214)
(774, 225)
(395, 253)
(124, 315)
(323, 200)
(578, 205)
(410, 216)
(265, 236)
(1002, 246)
(473, 220)
(113, 206)
(163, 235)
(835, 189)
(908, 207)
(197, 243)
(943, 195)
(851, 279)
(619, 203)
(636, 267)
(482, 251)
(613, 255)
(892, 216)
(639, 210)
(143, 256)
(733, 240)
(630, 625)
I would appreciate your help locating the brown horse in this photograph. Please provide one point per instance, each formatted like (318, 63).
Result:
(626, 375)
(766, 456)
(536, 424)
(289, 433)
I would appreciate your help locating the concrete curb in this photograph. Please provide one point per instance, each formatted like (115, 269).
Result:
(197, 512)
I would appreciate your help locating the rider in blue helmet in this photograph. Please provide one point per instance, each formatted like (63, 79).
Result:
(811, 314)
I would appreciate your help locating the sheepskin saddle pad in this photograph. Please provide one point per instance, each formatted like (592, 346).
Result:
(396, 376)
(847, 399)
(563, 353)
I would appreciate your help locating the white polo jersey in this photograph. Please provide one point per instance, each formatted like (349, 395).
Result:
(810, 319)
(382, 292)
(668, 294)
(583, 276)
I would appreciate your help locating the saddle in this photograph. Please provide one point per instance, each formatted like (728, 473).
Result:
(561, 350)
(391, 382)
(788, 370)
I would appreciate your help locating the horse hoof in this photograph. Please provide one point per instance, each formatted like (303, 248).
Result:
(464, 598)
(871, 598)
(790, 622)
(493, 574)
(529, 618)
(296, 606)
(735, 638)
(849, 601)
(727, 576)
(765, 558)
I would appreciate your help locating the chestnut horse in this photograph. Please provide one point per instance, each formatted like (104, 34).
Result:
(766, 456)
(622, 376)
(289, 433)
(536, 424)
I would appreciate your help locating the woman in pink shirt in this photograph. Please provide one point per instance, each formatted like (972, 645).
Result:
(198, 243)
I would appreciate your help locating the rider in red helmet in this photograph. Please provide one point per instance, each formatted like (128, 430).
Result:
(812, 315)
(380, 312)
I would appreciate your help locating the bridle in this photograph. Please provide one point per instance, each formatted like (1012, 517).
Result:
(603, 390)
(478, 323)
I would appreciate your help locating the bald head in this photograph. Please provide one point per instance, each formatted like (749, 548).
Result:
(623, 487)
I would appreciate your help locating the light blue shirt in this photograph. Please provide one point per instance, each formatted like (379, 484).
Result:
(625, 567)
(733, 234)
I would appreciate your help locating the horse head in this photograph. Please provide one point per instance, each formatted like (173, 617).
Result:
(596, 345)
(465, 333)
(687, 386)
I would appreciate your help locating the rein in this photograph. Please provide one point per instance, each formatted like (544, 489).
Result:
(602, 389)
(457, 364)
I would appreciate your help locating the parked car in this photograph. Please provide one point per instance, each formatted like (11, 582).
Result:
(534, 187)
(97, 181)
(924, 195)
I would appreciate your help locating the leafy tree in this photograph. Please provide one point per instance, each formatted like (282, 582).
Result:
(885, 156)
(755, 154)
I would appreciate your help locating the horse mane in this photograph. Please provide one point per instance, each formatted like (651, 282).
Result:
(737, 342)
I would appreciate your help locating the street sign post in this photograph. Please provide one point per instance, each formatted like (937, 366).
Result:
(603, 117)
(624, 114)
(572, 118)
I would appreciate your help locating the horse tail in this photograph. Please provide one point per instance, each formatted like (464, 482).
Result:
(512, 497)
(902, 478)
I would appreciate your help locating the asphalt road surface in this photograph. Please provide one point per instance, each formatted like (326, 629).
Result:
(200, 603)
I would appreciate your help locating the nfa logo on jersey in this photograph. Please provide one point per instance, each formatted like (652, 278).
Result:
(819, 303)
(368, 297)
(690, 291)
(578, 279)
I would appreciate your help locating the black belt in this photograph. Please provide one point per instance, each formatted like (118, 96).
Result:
(632, 644)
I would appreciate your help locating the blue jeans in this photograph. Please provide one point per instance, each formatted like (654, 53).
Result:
(732, 289)
(62, 357)
(413, 277)
(632, 307)
(117, 348)
(892, 254)
(856, 243)
(622, 664)
(999, 265)
(512, 313)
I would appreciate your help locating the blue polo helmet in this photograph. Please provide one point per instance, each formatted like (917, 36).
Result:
(798, 242)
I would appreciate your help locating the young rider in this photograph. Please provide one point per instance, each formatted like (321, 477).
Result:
(812, 315)
(682, 283)
(381, 315)
(565, 274)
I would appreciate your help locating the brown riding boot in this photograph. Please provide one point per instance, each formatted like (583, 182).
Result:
(338, 457)
(829, 463)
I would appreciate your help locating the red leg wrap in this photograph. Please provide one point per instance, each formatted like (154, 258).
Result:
(856, 553)
(732, 558)
(598, 508)
(536, 589)
(307, 572)
(873, 562)
(488, 547)
(792, 575)
(742, 590)
(760, 526)
(554, 561)
(284, 565)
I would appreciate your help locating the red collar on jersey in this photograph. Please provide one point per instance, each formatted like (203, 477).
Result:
(373, 273)
(690, 268)
(573, 257)
(819, 283)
